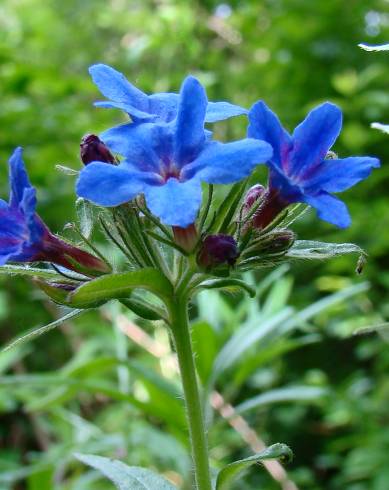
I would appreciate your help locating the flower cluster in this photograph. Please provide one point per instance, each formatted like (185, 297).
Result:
(167, 153)
(152, 170)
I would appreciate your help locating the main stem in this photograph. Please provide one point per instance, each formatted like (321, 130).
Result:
(198, 439)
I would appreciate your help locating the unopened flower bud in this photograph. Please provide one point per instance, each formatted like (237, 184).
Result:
(186, 238)
(274, 243)
(217, 250)
(59, 252)
(253, 194)
(92, 149)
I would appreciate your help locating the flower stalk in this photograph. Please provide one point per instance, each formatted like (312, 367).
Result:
(181, 334)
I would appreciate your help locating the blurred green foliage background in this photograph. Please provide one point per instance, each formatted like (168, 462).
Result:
(54, 398)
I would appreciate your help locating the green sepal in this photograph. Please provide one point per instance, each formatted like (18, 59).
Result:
(54, 292)
(228, 208)
(120, 286)
(21, 270)
(126, 477)
(67, 170)
(85, 216)
(228, 284)
(144, 309)
(230, 472)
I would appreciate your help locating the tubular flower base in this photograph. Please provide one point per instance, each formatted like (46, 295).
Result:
(23, 235)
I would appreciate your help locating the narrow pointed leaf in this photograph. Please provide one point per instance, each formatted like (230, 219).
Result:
(144, 309)
(36, 332)
(120, 286)
(308, 249)
(228, 284)
(282, 395)
(230, 472)
(126, 477)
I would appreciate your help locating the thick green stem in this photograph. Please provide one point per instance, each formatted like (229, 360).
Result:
(198, 439)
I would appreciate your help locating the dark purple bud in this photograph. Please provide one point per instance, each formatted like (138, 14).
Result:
(252, 196)
(217, 250)
(92, 149)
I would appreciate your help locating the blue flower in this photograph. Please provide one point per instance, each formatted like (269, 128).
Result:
(168, 161)
(299, 170)
(141, 107)
(23, 235)
(21, 230)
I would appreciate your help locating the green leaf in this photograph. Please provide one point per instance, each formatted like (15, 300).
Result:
(53, 291)
(36, 332)
(228, 284)
(287, 394)
(126, 477)
(20, 270)
(120, 286)
(144, 309)
(245, 339)
(308, 249)
(231, 471)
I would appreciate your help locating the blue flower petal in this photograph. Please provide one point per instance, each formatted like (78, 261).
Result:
(136, 114)
(108, 185)
(223, 163)
(314, 137)
(147, 146)
(219, 111)
(114, 85)
(189, 135)
(164, 105)
(329, 208)
(285, 187)
(338, 175)
(18, 178)
(265, 125)
(175, 203)
(12, 233)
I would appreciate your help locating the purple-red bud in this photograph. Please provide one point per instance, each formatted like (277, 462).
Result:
(217, 250)
(73, 258)
(92, 149)
(252, 195)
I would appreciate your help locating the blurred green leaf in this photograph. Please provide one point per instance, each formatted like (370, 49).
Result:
(126, 477)
(232, 471)
(281, 395)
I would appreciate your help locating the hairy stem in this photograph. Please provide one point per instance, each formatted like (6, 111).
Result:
(198, 439)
